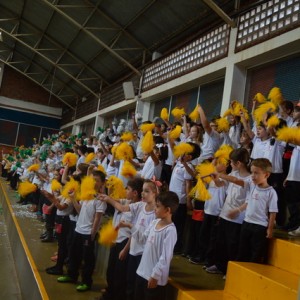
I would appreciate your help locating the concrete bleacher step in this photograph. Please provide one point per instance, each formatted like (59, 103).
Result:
(284, 254)
(255, 281)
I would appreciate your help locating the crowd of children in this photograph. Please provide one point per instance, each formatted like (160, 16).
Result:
(228, 183)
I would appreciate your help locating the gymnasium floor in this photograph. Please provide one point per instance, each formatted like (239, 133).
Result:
(183, 273)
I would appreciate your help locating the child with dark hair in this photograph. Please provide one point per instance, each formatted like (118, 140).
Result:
(143, 213)
(229, 227)
(160, 237)
(261, 209)
(118, 256)
(83, 244)
(181, 183)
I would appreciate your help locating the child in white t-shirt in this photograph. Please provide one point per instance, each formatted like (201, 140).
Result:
(261, 209)
(160, 236)
(143, 213)
(83, 244)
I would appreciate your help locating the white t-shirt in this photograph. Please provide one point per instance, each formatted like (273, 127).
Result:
(177, 182)
(143, 220)
(235, 134)
(260, 147)
(294, 171)
(211, 143)
(274, 154)
(214, 205)
(158, 252)
(236, 196)
(87, 214)
(67, 211)
(124, 232)
(260, 202)
(150, 169)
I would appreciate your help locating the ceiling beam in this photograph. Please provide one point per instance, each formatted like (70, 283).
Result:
(220, 12)
(50, 61)
(91, 35)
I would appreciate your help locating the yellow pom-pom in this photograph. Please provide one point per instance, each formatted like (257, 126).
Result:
(204, 170)
(222, 125)
(89, 157)
(289, 135)
(228, 112)
(127, 136)
(194, 115)
(108, 234)
(69, 159)
(101, 168)
(113, 149)
(55, 185)
(124, 151)
(25, 188)
(70, 187)
(128, 170)
(275, 96)
(261, 111)
(237, 108)
(182, 148)
(175, 133)
(87, 188)
(222, 154)
(33, 168)
(177, 113)
(147, 127)
(164, 114)
(260, 98)
(273, 121)
(147, 143)
(199, 191)
(115, 187)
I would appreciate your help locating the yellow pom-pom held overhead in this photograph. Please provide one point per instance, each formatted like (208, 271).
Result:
(128, 170)
(222, 154)
(175, 133)
(194, 115)
(260, 98)
(33, 168)
(124, 151)
(147, 127)
(25, 188)
(275, 96)
(177, 113)
(199, 191)
(101, 168)
(87, 188)
(69, 159)
(108, 234)
(222, 125)
(147, 143)
(262, 110)
(55, 185)
(182, 149)
(164, 114)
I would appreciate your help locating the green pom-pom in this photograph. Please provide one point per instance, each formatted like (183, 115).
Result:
(18, 164)
(100, 129)
(10, 158)
(79, 135)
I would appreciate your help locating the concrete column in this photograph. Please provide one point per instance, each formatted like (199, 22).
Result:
(235, 77)
(143, 108)
(76, 129)
(99, 122)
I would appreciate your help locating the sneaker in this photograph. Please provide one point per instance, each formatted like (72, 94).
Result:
(54, 258)
(65, 279)
(295, 232)
(54, 271)
(196, 261)
(83, 287)
(213, 270)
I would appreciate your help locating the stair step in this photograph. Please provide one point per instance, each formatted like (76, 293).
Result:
(205, 295)
(255, 281)
(284, 254)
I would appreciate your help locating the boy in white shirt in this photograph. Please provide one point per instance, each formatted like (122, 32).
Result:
(261, 209)
(83, 244)
(160, 236)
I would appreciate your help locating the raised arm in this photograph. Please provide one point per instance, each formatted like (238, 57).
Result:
(204, 120)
